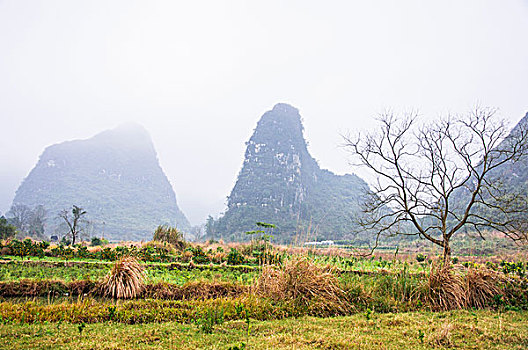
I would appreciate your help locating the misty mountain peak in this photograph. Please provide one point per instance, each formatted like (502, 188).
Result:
(115, 176)
(131, 135)
(281, 183)
(127, 129)
(285, 108)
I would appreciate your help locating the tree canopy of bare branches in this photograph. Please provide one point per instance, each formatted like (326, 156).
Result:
(437, 179)
(73, 221)
(20, 216)
(29, 221)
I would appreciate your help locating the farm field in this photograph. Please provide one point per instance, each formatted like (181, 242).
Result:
(417, 330)
(257, 296)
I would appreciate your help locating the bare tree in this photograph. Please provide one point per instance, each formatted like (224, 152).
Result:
(37, 221)
(20, 216)
(27, 220)
(439, 179)
(73, 221)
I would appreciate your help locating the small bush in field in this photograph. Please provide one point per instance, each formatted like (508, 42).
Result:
(420, 258)
(27, 248)
(235, 257)
(199, 256)
(96, 241)
(170, 235)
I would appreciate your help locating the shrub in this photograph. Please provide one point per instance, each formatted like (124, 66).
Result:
(512, 267)
(235, 257)
(107, 254)
(96, 241)
(125, 280)
(170, 235)
(420, 257)
(199, 256)
(27, 248)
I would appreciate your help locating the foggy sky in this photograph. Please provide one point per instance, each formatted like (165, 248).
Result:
(199, 74)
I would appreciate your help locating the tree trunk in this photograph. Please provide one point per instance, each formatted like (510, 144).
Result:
(73, 238)
(447, 253)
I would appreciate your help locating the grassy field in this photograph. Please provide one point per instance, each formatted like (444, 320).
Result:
(258, 296)
(154, 273)
(419, 330)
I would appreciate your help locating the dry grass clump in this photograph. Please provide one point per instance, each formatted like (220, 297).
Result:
(447, 290)
(306, 284)
(187, 256)
(125, 280)
(170, 235)
(482, 285)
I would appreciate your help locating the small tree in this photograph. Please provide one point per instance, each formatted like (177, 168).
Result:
(20, 216)
(73, 221)
(438, 179)
(37, 222)
(28, 221)
(209, 227)
(7, 230)
(262, 238)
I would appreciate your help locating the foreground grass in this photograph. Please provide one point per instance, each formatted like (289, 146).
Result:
(424, 330)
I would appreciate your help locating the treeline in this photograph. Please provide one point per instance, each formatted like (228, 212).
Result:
(24, 221)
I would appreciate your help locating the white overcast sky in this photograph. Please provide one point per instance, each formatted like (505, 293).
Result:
(199, 74)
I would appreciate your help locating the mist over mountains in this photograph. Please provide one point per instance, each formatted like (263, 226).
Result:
(115, 176)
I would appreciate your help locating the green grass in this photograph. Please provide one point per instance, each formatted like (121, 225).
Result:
(90, 310)
(154, 273)
(15, 272)
(379, 318)
(49, 258)
(461, 329)
(180, 277)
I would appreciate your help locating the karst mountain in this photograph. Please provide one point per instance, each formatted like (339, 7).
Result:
(115, 176)
(282, 184)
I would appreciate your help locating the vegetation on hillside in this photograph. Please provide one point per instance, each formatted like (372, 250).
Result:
(281, 183)
(115, 176)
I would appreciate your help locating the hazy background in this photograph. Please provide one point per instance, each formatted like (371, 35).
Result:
(199, 74)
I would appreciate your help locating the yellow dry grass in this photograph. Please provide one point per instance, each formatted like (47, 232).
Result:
(306, 284)
(447, 290)
(125, 280)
